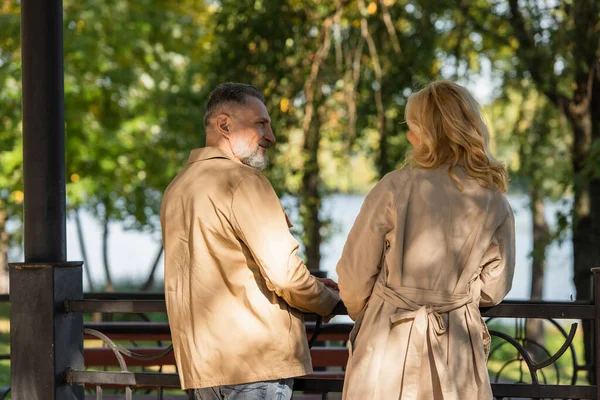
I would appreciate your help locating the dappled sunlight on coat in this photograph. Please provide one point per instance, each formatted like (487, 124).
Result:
(233, 277)
(420, 260)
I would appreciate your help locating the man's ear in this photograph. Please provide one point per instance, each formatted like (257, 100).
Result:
(223, 123)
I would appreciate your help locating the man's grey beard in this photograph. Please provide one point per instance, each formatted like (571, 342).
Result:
(256, 160)
(250, 158)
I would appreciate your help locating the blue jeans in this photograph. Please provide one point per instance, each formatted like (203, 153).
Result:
(268, 390)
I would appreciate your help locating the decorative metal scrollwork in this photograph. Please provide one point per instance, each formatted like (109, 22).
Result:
(119, 351)
(4, 392)
(521, 344)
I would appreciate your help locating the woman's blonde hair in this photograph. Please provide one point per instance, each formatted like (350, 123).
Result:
(449, 123)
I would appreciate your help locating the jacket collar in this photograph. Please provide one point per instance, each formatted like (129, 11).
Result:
(207, 153)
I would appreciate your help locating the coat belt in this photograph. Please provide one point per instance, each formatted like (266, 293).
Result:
(425, 308)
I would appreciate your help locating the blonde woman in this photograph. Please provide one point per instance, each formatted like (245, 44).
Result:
(433, 242)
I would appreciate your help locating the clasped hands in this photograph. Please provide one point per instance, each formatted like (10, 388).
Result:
(330, 283)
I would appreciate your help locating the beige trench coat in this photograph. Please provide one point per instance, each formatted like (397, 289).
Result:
(419, 261)
(234, 284)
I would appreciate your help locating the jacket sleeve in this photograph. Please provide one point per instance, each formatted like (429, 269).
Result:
(498, 264)
(360, 263)
(260, 222)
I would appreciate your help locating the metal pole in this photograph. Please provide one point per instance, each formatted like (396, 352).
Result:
(45, 340)
(43, 131)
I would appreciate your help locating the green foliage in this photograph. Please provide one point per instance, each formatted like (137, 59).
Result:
(124, 76)
(535, 140)
(11, 186)
(131, 115)
(137, 76)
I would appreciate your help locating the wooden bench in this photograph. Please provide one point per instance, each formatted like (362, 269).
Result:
(159, 331)
(323, 357)
(104, 356)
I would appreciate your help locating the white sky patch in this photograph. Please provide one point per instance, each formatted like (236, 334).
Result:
(483, 85)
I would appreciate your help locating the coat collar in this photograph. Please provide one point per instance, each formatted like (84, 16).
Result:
(206, 153)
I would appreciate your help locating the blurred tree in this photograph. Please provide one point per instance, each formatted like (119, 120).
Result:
(340, 71)
(402, 54)
(531, 129)
(336, 75)
(130, 110)
(11, 187)
(557, 46)
(126, 75)
(280, 47)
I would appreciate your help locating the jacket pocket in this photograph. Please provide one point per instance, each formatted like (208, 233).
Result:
(255, 390)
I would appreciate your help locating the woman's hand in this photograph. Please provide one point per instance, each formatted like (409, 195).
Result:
(330, 283)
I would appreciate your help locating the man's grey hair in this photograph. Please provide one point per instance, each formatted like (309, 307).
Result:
(229, 93)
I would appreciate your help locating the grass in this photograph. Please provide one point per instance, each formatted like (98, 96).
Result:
(4, 344)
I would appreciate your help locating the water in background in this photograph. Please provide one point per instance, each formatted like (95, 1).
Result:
(131, 253)
(558, 284)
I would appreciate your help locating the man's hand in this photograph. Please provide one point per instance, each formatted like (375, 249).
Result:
(330, 284)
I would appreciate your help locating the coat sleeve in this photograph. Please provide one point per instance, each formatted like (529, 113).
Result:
(261, 224)
(498, 264)
(361, 258)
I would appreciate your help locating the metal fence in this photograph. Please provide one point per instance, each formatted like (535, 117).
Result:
(537, 377)
(532, 371)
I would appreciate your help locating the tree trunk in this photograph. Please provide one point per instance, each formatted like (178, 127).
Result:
(586, 210)
(541, 239)
(595, 180)
(583, 238)
(3, 253)
(580, 112)
(383, 164)
(109, 284)
(584, 243)
(581, 109)
(3, 268)
(311, 197)
(81, 239)
(594, 193)
(150, 281)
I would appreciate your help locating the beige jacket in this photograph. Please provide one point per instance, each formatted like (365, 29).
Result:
(419, 261)
(234, 285)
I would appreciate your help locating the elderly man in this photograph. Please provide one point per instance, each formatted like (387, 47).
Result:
(234, 285)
